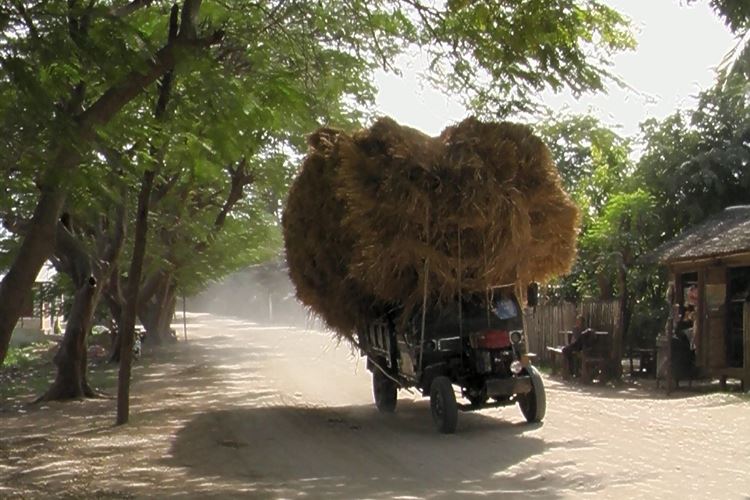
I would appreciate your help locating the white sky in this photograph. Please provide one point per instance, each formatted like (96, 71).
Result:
(679, 48)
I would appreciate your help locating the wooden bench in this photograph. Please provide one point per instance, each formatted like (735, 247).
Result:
(594, 365)
(557, 359)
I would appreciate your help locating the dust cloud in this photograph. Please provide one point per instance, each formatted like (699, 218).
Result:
(261, 293)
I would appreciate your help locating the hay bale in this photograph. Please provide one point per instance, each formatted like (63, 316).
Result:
(317, 249)
(547, 231)
(480, 205)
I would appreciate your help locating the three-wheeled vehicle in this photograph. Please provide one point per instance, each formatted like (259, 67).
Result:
(477, 345)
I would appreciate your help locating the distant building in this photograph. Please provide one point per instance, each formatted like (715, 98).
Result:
(709, 267)
(40, 311)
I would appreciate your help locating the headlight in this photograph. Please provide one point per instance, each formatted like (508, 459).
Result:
(516, 336)
(516, 367)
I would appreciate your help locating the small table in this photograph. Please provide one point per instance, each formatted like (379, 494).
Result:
(646, 360)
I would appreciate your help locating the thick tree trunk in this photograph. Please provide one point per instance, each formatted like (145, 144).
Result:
(166, 313)
(74, 259)
(156, 313)
(37, 246)
(70, 382)
(148, 314)
(127, 335)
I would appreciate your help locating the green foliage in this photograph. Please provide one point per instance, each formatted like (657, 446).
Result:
(736, 13)
(696, 163)
(592, 159)
(594, 164)
(618, 236)
(502, 54)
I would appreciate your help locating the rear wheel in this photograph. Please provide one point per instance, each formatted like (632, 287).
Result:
(443, 405)
(533, 404)
(385, 392)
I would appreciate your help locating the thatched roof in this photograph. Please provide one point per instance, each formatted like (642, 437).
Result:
(725, 233)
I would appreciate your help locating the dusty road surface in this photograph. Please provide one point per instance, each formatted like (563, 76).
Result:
(269, 412)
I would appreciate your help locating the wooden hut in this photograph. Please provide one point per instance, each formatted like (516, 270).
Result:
(709, 268)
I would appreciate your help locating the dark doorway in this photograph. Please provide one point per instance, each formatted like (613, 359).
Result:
(739, 293)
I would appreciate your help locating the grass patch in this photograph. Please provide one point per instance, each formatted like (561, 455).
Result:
(27, 370)
(103, 377)
(26, 356)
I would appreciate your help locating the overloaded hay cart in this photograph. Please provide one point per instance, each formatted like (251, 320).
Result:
(417, 250)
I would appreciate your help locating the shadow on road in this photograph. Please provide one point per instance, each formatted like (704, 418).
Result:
(355, 452)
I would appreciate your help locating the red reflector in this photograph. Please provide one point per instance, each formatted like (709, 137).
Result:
(493, 339)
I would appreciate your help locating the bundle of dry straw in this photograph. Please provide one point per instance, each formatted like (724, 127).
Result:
(378, 218)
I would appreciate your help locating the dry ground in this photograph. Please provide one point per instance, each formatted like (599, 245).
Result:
(243, 410)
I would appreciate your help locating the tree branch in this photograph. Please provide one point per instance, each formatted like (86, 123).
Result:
(164, 188)
(240, 178)
(188, 19)
(27, 19)
(129, 8)
(117, 96)
(165, 85)
(73, 256)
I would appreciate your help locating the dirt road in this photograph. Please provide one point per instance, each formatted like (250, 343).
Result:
(269, 412)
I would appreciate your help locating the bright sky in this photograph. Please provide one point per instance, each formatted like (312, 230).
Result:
(679, 48)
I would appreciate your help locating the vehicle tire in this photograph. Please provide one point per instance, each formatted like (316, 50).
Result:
(533, 404)
(385, 392)
(443, 405)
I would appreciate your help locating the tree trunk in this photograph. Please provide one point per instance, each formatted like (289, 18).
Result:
(148, 314)
(127, 335)
(166, 313)
(157, 312)
(622, 324)
(115, 309)
(37, 246)
(116, 304)
(70, 382)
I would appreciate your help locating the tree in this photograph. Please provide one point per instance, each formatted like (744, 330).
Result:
(695, 163)
(736, 13)
(594, 164)
(35, 39)
(502, 55)
(592, 159)
(616, 239)
(90, 268)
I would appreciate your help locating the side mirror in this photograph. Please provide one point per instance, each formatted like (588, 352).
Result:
(532, 294)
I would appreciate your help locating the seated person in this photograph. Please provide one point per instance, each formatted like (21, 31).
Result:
(582, 338)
